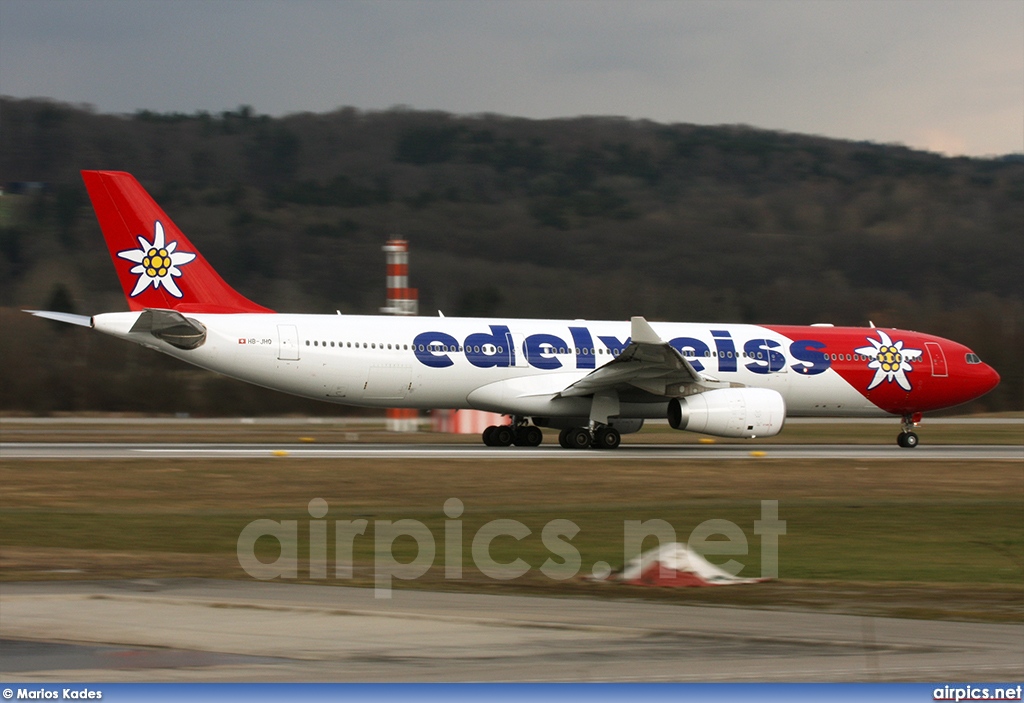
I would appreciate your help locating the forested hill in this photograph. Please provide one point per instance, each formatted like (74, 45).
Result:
(586, 217)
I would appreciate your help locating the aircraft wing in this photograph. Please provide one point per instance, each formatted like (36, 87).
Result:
(648, 364)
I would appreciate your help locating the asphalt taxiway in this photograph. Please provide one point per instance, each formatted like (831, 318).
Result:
(186, 450)
(202, 630)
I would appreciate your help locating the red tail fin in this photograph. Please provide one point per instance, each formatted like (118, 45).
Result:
(157, 265)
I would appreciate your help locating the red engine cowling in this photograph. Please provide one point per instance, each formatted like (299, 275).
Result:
(730, 412)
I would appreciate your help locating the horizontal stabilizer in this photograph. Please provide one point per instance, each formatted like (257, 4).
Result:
(69, 318)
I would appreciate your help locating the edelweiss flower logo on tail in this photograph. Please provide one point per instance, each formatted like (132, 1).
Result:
(890, 360)
(158, 262)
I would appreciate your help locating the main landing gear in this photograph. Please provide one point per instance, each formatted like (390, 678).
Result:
(604, 437)
(908, 438)
(521, 435)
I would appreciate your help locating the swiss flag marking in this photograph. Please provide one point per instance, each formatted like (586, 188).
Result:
(241, 341)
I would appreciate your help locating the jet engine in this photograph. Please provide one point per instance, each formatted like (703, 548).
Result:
(730, 412)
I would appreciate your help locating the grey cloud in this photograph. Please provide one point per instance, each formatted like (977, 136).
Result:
(941, 75)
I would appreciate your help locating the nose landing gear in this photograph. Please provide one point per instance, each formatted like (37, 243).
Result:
(908, 438)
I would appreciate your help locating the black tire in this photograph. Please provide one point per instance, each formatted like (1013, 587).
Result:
(578, 438)
(488, 434)
(563, 439)
(529, 436)
(607, 438)
(910, 440)
(502, 436)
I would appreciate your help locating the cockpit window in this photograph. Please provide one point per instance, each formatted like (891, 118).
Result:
(973, 358)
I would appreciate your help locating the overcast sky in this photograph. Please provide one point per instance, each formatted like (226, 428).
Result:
(944, 76)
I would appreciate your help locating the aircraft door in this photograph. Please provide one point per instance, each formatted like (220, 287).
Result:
(289, 343)
(938, 359)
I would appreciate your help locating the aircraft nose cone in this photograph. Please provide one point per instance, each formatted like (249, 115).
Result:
(973, 382)
(989, 379)
(978, 382)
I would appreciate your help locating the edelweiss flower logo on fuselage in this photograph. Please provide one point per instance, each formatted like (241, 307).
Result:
(890, 360)
(158, 262)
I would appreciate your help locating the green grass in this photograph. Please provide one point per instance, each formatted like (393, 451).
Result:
(922, 538)
(952, 542)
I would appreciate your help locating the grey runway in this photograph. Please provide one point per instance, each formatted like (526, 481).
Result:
(185, 450)
(201, 630)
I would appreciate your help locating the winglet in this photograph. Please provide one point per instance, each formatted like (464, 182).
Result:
(642, 332)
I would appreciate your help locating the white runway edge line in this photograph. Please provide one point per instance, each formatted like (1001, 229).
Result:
(89, 451)
(379, 421)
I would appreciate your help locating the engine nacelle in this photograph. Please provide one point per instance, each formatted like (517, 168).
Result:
(730, 412)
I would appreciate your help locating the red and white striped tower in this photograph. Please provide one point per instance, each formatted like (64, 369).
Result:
(401, 300)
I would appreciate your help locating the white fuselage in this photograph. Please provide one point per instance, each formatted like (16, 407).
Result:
(438, 362)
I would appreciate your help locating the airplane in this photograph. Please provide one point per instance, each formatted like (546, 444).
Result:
(592, 380)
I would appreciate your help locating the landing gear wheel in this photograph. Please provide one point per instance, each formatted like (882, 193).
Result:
(528, 436)
(488, 434)
(502, 436)
(563, 442)
(907, 440)
(577, 438)
(607, 438)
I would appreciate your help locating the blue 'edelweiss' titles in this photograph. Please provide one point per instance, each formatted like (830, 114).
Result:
(158, 262)
(498, 348)
(890, 360)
